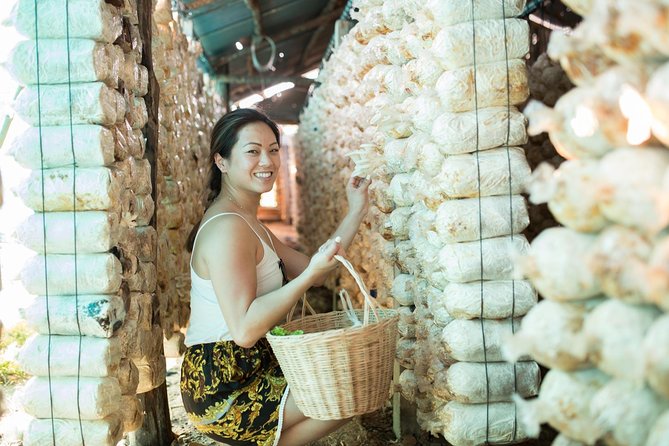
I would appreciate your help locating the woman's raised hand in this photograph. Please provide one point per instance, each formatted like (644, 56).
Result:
(357, 194)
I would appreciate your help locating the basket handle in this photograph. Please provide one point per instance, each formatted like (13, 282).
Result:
(348, 308)
(305, 306)
(369, 302)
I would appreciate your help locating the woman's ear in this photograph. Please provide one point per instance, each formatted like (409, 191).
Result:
(220, 163)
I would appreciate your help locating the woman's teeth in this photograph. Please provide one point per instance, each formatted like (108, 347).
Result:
(263, 174)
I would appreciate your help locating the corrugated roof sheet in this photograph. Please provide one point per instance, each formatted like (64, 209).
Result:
(301, 30)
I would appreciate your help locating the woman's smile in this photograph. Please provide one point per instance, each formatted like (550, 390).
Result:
(263, 175)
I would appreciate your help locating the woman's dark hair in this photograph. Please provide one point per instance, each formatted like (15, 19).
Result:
(224, 136)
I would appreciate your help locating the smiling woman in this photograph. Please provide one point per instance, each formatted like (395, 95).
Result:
(252, 163)
(231, 384)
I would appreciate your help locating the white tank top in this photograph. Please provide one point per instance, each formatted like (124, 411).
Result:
(207, 323)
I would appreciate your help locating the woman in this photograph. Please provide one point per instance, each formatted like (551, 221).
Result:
(231, 384)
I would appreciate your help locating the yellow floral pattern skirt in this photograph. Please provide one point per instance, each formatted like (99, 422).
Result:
(233, 394)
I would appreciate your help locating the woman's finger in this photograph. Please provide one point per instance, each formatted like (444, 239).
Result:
(332, 247)
(324, 245)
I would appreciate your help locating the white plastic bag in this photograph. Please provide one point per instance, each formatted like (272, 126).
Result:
(462, 262)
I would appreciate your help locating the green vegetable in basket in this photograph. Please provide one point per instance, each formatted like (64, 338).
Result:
(280, 331)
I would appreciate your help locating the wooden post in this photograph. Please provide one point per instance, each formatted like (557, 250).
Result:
(404, 413)
(397, 397)
(152, 98)
(397, 417)
(157, 428)
(223, 90)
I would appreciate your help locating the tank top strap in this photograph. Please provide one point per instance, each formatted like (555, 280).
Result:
(269, 236)
(240, 216)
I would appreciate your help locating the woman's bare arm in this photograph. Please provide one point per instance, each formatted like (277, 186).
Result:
(296, 262)
(229, 249)
(358, 200)
(357, 195)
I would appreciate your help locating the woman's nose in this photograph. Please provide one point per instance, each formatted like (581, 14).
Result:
(265, 159)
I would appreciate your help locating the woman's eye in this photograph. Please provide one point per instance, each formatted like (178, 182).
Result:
(274, 150)
(254, 151)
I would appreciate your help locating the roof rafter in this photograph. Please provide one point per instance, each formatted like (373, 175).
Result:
(254, 6)
(260, 80)
(217, 63)
(316, 35)
(197, 4)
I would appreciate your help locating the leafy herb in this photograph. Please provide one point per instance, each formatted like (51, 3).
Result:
(280, 331)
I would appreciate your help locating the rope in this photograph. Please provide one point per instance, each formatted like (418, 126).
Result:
(508, 157)
(74, 216)
(478, 173)
(44, 225)
(46, 274)
(269, 65)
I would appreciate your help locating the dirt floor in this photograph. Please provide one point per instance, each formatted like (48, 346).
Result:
(368, 430)
(373, 429)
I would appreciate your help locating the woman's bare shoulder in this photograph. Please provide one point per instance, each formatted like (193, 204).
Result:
(224, 226)
(223, 236)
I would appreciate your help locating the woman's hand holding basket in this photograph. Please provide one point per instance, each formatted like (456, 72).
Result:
(323, 262)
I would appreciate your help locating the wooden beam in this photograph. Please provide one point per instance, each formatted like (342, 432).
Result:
(284, 35)
(314, 37)
(197, 4)
(242, 90)
(397, 401)
(548, 22)
(254, 6)
(259, 80)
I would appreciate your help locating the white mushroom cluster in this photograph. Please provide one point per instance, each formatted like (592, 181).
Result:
(603, 328)
(423, 96)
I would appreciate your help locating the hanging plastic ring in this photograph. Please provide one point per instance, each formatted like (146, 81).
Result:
(269, 66)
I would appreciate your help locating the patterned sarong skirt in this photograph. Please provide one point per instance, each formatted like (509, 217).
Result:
(232, 394)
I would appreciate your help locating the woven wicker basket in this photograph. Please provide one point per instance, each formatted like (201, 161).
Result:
(335, 370)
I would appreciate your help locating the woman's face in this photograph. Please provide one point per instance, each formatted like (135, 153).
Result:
(254, 160)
